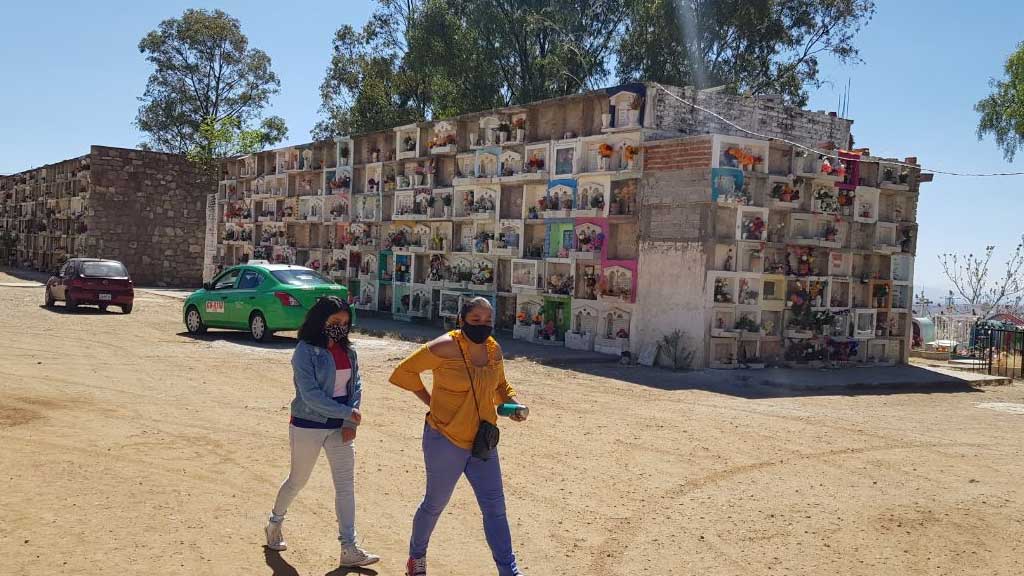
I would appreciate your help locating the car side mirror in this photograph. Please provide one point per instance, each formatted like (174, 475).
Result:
(207, 286)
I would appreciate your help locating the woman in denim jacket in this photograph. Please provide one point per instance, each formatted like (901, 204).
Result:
(324, 415)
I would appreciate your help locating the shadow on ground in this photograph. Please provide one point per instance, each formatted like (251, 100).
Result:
(26, 275)
(750, 384)
(281, 567)
(83, 310)
(239, 338)
(790, 382)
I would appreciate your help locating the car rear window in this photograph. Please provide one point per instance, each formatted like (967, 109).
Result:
(104, 269)
(299, 277)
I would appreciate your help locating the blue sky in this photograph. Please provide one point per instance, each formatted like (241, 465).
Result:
(73, 76)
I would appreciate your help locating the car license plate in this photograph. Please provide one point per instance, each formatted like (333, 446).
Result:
(104, 296)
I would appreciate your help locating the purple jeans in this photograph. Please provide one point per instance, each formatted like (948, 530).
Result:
(446, 463)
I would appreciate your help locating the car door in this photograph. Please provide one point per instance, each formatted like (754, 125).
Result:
(60, 287)
(216, 309)
(245, 295)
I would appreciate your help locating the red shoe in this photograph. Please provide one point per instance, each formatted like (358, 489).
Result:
(416, 567)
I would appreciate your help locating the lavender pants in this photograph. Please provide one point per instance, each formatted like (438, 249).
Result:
(446, 463)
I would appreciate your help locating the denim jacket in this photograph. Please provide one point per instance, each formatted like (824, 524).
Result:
(314, 372)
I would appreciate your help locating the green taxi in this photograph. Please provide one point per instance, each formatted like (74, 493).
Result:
(259, 297)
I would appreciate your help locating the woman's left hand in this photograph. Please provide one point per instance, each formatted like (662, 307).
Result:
(348, 434)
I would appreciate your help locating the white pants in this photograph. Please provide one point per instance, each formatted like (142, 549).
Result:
(305, 445)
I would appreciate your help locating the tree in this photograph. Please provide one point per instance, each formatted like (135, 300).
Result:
(226, 137)
(1002, 111)
(982, 292)
(755, 46)
(418, 59)
(206, 79)
(365, 88)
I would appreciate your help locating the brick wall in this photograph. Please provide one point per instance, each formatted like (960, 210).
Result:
(678, 154)
(764, 115)
(148, 210)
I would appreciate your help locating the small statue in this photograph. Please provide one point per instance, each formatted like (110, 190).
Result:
(728, 262)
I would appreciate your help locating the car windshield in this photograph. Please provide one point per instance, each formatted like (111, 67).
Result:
(299, 277)
(104, 269)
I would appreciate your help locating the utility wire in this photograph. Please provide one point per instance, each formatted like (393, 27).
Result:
(826, 152)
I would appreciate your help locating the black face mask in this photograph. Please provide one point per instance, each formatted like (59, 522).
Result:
(477, 333)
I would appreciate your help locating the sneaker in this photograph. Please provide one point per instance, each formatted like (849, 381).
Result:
(353, 556)
(275, 537)
(416, 567)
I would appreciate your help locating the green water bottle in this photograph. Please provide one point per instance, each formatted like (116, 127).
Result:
(512, 409)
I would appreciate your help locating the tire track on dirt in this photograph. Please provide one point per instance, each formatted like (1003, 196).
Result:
(611, 550)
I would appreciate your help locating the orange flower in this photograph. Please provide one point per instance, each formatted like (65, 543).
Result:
(741, 156)
(605, 150)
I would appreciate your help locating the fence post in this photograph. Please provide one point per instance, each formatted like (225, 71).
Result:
(1018, 338)
(989, 353)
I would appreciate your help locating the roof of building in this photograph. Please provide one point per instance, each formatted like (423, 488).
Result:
(1008, 318)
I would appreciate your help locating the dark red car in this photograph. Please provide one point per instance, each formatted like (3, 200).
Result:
(91, 281)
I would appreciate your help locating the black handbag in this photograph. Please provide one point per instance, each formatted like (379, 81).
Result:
(487, 434)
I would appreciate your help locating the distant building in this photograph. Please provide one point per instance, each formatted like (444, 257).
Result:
(146, 209)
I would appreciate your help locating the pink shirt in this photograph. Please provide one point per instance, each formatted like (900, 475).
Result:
(344, 374)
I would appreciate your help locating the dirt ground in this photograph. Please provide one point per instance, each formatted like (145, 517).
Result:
(129, 447)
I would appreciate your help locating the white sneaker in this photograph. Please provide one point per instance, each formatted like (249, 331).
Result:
(275, 537)
(353, 556)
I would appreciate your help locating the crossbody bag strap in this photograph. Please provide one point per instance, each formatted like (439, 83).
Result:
(465, 364)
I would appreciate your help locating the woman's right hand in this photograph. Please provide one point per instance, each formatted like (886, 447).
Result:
(356, 416)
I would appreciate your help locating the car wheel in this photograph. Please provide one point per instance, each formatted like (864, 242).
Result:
(258, 327)
(126, 309)
(48, 299)
(70, 303)
(194, 321)
(103, 307)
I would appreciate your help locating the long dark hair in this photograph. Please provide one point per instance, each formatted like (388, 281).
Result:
(312, 330)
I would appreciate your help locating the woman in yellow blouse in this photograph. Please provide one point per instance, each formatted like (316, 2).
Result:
(469, 381)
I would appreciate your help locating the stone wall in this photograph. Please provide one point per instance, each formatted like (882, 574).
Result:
(148, 210)
(676, 219)
(675, 198)
(762, 114)
(670, 297)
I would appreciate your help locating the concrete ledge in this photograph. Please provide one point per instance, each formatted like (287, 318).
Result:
(423, 332)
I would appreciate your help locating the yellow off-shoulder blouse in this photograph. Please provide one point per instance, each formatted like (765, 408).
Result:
(452, 412)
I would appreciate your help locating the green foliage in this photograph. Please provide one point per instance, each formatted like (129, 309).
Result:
(418, 59)
(1002, 111)
(673, 352)
(225, 137)
(207, 83)
(756, 46)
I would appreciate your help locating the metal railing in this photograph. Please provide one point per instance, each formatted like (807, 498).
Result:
(997, 351)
